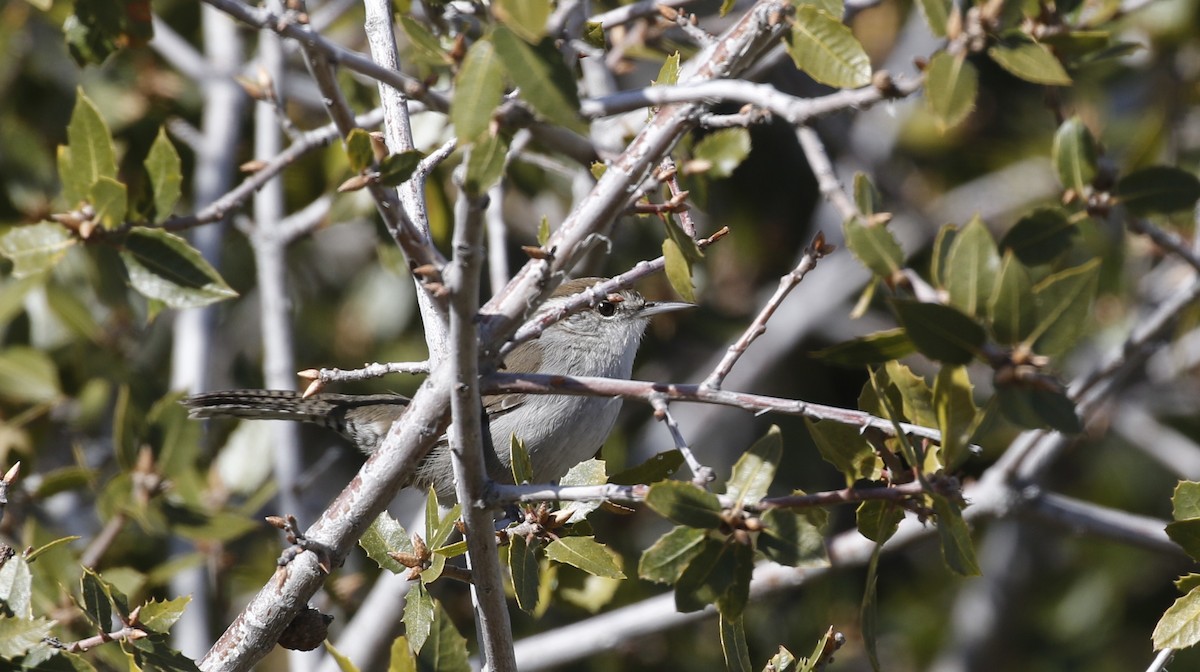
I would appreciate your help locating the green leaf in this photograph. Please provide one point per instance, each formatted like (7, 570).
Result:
(35, 248)
(16, 587)
(595, 592)
(96, 606)
(384, 535)
(868, 612)
(1179, 626)
(844, 447)
(523, 565)
(1064, 301)
(1074, 155)
(866, 197)
(587, 554)
(721, 152)
(159, 616)
(954, 404)
(941, 251)
(1158, 190)
(957, 549)
(478, 91)
(89, 153)
(526, 18)
(685, 503)
(1186, 533)
(733, 644)
(875, 348)
(915, 396)
(1031, 62)
(678, 270)
(445, 650)
(359, 150)
(111, 202)
(401, 658)
(825, 48)
(936, 13)
(165, 171)
(19, 635)
(877, 520)
(755, 469)
(543, 234)
(940, 332)
(522, 468)
(706, 578)
(1013, 315)
(545, 82)
(163, 266)
(419, 611)
(657, 468)
(790, 538)
(1037, 408)
(425, 43)
(485, 163)
(875, 247)
(1187, 582)
(1185, 501)
(951, 86)
(396, 169)
(1041, 236)
(669, 556)
(971, 268)
(28, 375)
(343, 661)
(668, 74)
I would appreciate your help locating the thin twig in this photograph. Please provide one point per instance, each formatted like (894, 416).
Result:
(822, 167)
(701, 474)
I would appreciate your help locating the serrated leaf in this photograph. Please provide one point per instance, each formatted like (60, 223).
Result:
(359, 150)
(951, 86)
(1186, 533)
(877, 520)
(874, 246)
(875, 348)
(523, 566)
(1040, 236)
(439, 527)
(526, 18)
(1031, 62)
(826, 50)
(940, 332)
(35, 248)
(396, 169)
(936, 13)
(425, 43)
(522, 468)
(954, 404)
(545, 82)
(386, 534)
(165, 267)
(971, 268)
(1013, 315)
(16, 587)
(957, 549)
(111, 202)
(478, 91)
(587, 554)
(28, 375)
(96, 606)
(678, 270)
(664, 561)
(446, 649)
(19, 635)
(685, 503)
(165, 171)
(1187, 582)
(790, 538)
(1179, 626)
(844, 447)
(755, 469)
(733, 645)
(916, 398)
(419, 612)
(866, 197)
(1074, 155)
(659, 467)
(668, 74)
(485, 163)
(1158, 190)
(159, 616)
(1064, 301)
(1185, 500)
(89, 154)
(722, 151)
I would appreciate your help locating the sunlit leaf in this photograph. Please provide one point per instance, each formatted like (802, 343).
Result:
(545, 82)
(1179, 626)
(971, 268)
(485, 164)
(35, 248)
(1074, 155)
(478, 90)
(666, 559)
(28, 375)
(733, 645)
(954, 404)
(526, 18)
(1031, 62)
(877, 519)
(844, 447)
(825, 49)
(936, 13)
(790, 538)
(523, 566)
(722, 151)
(419, 610)
(164, 266)
(755, 469)
(957, 548)
(874, 246)
(951, 86)
(587, 554)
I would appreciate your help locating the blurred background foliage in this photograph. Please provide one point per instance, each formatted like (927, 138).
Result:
(96, 388)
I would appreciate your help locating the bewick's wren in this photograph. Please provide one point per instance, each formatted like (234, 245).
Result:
(559, 431)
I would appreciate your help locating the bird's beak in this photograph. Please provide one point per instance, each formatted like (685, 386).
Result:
(658, 307)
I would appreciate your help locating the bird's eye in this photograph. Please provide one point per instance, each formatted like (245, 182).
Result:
(606, 308)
